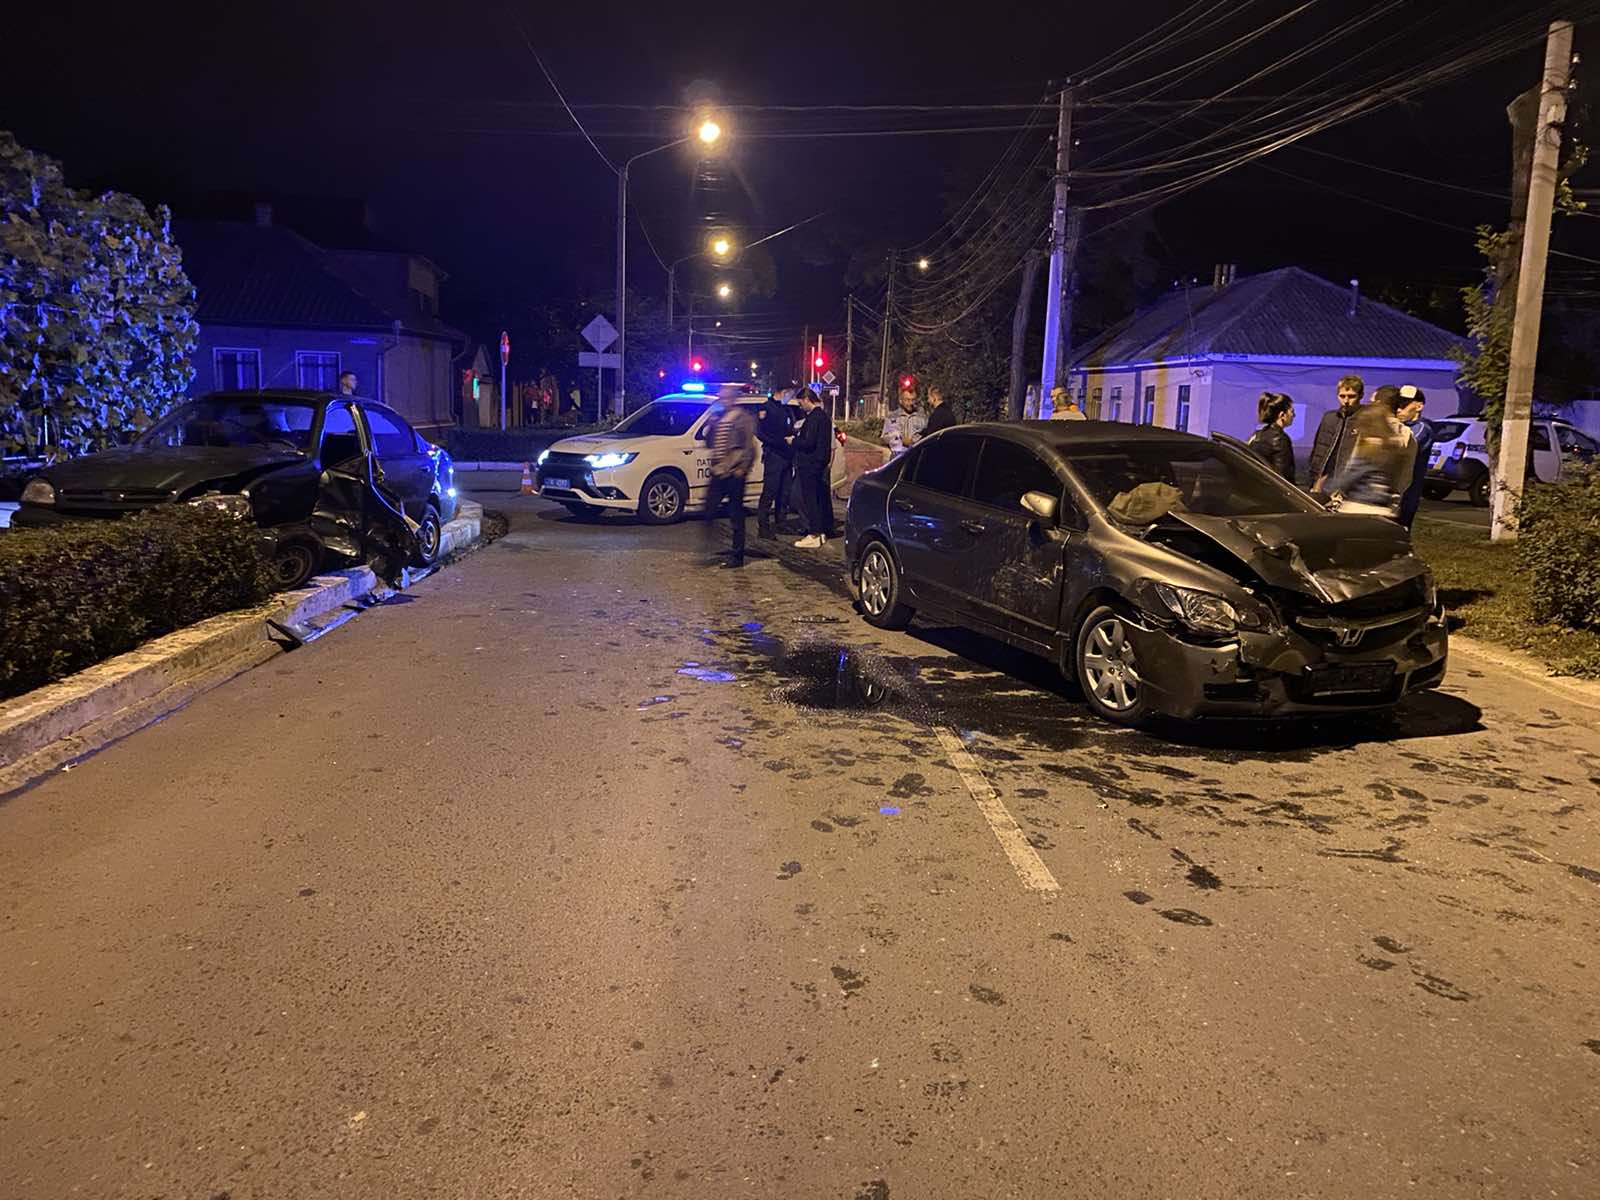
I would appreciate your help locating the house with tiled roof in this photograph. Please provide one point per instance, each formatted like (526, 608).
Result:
(1199, 358)
(276, 310)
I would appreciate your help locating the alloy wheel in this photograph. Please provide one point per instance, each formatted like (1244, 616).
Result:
(1109, 665)
(875, 581)
(662, 500)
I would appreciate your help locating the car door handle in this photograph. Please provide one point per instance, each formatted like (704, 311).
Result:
(903, 505)
(973, 526)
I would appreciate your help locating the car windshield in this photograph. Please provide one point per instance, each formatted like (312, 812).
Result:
(1142, 481)
(664, 418)
(233, 421)
(1448, 431)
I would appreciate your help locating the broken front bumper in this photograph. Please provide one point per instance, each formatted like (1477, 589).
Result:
(1284, 673)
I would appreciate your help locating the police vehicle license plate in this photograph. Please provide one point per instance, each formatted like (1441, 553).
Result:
(558, 483)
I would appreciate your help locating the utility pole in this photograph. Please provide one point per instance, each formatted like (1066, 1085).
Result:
(1019, 335)
(849, 346)
(1058, 248)
(622, 280)
(1512, 467)
(805, 354)
(883, 359)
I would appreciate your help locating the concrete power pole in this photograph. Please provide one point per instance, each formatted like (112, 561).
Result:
(1511, 470)
(1058, 248)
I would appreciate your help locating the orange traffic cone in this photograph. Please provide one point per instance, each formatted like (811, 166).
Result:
(527, 480)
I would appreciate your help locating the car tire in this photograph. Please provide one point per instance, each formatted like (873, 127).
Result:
(1438, 491)
(293, 564)
(430, 537)
(580, 510)
(1108, 670)
(663, 499)
(880, 588)
(1478, 488)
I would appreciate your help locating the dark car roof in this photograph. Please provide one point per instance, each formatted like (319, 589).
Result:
(296, 395)
(1063, 436)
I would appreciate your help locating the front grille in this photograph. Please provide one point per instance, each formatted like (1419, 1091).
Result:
(1367, 622)
(557, 462)
(110, 500)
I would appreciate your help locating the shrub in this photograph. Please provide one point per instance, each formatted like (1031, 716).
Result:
(75, 595)
(1558, 545)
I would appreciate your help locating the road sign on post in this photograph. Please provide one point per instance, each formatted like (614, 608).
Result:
(600, 333)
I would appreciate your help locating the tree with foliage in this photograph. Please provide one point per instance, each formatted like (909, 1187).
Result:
(96, 315)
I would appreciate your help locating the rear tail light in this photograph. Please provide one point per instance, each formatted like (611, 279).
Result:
(1460, 451)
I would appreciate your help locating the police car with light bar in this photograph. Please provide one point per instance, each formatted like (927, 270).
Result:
(657, 461)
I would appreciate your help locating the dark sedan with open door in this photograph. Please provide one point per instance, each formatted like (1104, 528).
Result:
(1163, 572)
(325, 477)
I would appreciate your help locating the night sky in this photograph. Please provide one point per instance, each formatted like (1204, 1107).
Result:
(438, 117)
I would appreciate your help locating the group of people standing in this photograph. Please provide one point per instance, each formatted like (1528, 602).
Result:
(792, 455)
(1373, 456)
(909, 424)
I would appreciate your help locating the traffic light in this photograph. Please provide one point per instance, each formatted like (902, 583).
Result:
(908, 383)
(696, 365)
(819, 361)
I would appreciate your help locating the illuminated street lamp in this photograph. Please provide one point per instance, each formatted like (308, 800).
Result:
(708, 134)
(721, 246)
(922, 264)
(724, 291)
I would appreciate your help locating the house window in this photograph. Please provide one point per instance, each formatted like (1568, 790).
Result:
(1149, 415)
(318, 370)
(1183, 408)
(1116, 404)
(1094, 412)
(237, 370)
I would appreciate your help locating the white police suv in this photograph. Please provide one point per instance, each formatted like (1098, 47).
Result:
(656, 462)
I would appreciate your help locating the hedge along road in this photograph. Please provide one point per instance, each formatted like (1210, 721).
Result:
(587, 871)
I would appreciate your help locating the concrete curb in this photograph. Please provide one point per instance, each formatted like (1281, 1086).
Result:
(62, 722)
(1569, 688)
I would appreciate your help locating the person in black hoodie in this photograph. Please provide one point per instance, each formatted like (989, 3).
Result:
(773, 430)
(1275, 411)
(942, 416)
(813, 450)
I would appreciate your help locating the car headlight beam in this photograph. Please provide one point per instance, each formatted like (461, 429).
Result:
(612, 458)
(543, 454)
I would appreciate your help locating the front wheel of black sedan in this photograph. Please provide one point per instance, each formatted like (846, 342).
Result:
(1109, 670)
(430, 536)
(293, 565)
(880, 589)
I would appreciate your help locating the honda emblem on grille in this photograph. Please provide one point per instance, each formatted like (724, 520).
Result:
(1348, 637)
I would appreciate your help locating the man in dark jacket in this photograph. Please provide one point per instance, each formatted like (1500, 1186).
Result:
(1422, 434)
(813, 451)
(773, 430)
(941, 416)
(733, 452)
(1275, 411)
(1335, 433)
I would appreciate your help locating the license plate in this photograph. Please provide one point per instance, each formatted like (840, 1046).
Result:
(1351, 677)
(558, 483)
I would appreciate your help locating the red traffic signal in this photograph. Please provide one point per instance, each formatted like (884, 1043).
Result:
(908, 383)
(819, 362)
(696, 365)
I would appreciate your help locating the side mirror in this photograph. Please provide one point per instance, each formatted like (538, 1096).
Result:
(1040, 505)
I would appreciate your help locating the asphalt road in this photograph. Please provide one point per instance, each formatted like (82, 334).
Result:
(587, 871)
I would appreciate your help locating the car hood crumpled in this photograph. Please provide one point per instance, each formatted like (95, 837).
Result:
(1327, 555)
(171, 469)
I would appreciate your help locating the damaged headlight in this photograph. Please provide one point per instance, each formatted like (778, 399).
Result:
(234, 506)
(604, 462)
(1207, 613)
(38, 491)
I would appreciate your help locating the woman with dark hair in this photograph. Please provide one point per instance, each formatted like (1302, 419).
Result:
(1275, 411)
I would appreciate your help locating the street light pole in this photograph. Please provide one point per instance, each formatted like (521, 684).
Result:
(622, 279)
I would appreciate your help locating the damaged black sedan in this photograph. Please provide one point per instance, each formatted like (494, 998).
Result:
(328, 479)
(1163, 572)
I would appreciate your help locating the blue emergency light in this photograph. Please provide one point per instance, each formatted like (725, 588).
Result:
(694, 385)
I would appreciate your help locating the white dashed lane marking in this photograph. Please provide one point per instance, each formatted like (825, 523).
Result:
(1036, 877)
